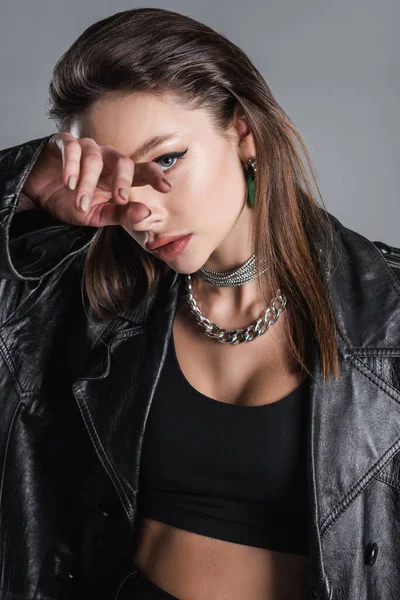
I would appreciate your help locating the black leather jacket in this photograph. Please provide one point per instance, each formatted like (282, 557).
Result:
(76, 392)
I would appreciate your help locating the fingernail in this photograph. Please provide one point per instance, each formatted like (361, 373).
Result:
(71, 182)
(84, 203)
(166, 181)
(124, 193)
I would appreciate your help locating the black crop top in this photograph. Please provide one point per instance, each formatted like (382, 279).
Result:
(230, 472)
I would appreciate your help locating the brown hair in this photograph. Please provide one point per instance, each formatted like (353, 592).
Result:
(157, 50)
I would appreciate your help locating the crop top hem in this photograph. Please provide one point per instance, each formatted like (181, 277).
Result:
(274, 538)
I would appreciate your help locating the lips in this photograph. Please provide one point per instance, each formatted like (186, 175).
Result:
(173, 249)
(162, 241)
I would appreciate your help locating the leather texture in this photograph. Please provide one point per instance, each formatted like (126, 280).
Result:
(76, 393)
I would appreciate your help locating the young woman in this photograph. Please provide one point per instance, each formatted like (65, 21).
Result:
(185, 410)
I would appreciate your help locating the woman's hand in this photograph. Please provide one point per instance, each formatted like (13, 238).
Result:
(69, 168)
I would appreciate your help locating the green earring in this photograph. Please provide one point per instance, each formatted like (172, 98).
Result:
(250, 178)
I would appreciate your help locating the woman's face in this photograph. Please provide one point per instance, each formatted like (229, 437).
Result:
(205, 169)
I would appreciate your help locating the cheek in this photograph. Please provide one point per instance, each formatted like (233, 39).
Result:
(211, 188)
(193, 194)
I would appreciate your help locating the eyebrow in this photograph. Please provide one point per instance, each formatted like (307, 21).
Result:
(151, 145)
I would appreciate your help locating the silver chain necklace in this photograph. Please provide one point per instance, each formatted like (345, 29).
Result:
(239, 276)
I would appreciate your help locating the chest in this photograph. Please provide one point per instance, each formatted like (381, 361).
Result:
(248, 374)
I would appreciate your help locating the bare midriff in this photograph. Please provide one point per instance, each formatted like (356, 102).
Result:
(196, 567)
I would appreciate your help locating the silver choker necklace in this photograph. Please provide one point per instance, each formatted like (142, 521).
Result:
(243, 274)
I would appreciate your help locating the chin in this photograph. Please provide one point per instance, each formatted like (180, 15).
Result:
(184, 271)
(184, 267)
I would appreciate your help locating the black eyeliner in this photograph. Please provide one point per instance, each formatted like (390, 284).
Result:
(171, 155)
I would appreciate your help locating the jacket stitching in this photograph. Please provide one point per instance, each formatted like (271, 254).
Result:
(381, 352)
(357, 489)
(9, 361)
(103, 455)
(7, 355)
(363, 482)
(388, 480)
(382, 384)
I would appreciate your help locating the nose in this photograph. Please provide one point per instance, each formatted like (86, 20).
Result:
(139, 215)
(146, 207)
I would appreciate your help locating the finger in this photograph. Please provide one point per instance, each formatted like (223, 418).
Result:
(150, 173)
(71, 153)
(117, 214)
(91, 167)
(122, 168)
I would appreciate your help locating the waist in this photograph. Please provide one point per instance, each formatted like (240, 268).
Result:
(191, 565)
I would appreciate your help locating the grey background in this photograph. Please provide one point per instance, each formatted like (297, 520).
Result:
(332, 65)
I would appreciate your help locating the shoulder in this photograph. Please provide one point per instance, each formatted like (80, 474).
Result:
(364, 281)
(360, 250)
(392, 256)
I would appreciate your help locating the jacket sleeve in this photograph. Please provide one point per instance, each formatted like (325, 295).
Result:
(32, 243)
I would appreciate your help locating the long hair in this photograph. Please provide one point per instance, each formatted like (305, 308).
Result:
(157, 51)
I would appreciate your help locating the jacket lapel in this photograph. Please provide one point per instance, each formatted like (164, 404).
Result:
(114, 393)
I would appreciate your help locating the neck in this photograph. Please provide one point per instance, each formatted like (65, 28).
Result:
(240, 299)
(233, 252)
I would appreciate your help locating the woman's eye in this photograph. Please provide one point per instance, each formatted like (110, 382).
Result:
(168, 161)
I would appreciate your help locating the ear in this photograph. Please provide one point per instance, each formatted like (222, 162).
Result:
(246, 144)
